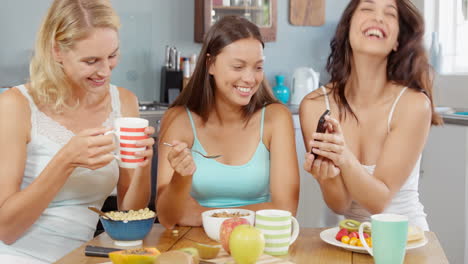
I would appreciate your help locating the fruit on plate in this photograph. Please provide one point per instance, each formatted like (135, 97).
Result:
(207, 251)
(341, 233)
(353, 234)
(226, 229)
(192, 252)
(246, 243)
(174, 257)
(135, 256)
(350, 224)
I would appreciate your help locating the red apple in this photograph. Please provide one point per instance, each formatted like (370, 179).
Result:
(226, 228)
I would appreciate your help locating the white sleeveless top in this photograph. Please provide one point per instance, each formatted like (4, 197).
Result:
(67, 222)
(406, 200)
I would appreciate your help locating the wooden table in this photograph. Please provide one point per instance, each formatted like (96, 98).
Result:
(308, 248)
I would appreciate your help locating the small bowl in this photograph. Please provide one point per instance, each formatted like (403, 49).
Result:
(212, 224)
(128, 230)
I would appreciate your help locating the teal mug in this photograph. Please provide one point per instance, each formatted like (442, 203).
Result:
(389, 236)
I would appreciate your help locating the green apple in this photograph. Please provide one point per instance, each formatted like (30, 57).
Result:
(246, 243)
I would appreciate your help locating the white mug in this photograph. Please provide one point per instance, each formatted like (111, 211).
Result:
(127, 131)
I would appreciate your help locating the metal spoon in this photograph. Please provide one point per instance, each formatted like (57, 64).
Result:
(101, 213)
(198, 152)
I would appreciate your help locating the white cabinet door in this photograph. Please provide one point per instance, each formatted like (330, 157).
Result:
(312, 211)
(443, 188)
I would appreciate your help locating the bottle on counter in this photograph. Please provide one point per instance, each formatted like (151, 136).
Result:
(281, 91)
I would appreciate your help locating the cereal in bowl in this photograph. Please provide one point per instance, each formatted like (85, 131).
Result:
(131, 215)
(226, 214)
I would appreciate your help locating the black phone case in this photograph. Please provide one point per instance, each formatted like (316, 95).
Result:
(321, 124)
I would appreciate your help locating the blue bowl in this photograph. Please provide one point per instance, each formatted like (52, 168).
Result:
(127, 230)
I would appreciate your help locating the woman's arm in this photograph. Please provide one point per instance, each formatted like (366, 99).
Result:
(284, 171)
(402, 147)
(331, 183)
(19, 209)
(134, 185)
(173, 185)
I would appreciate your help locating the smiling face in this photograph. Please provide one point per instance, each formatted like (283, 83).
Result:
(88, 65)
(238, 71)
(374, 27)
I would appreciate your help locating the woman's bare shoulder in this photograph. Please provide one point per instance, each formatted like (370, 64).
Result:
(176, 124)
(413, 105)
(14, 101)
(314, 102)
(128, 102)
(277, 113)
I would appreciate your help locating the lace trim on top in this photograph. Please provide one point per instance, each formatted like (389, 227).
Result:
(51, 129)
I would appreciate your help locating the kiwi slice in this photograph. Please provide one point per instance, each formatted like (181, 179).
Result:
(350, 224)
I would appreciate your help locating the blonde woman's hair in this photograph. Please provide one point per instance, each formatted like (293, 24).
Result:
(66, 22)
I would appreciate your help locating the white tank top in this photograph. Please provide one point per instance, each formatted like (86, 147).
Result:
(66, 223)
(406, 200)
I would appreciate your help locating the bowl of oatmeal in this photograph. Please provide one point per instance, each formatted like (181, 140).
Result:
(213, 219)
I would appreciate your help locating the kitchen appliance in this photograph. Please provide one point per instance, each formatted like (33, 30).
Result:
(171, 76)
(304, 81)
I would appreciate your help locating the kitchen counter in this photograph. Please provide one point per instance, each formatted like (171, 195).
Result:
(450, 117)
(455, 119)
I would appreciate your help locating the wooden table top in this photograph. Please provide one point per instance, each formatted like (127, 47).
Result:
(308, 248)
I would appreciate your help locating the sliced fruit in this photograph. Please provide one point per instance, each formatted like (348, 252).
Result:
(131, 256)
(341, 233)
(353, 241)
(345, 239)
(207, 251)
(350, 224)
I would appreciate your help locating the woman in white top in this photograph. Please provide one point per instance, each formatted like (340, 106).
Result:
(380, 98)
(55, 160)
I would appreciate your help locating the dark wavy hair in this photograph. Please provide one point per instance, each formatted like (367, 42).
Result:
(199, 93)
(408, 66)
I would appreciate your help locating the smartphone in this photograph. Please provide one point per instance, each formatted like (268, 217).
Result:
(321, 127)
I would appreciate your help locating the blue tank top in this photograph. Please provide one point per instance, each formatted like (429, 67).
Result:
(216, 184)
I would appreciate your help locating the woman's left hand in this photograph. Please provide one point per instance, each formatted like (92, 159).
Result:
(332, 145)
(148, 143)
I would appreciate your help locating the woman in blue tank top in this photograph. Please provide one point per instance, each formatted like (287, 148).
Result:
(226, 110)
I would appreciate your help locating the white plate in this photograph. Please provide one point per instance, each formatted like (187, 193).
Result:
(328, 236)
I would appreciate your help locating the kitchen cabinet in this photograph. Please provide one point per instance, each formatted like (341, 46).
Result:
(261, 12)
(443, 188)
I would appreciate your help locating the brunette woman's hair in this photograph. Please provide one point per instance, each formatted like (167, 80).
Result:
(198, 95)
(408, 66)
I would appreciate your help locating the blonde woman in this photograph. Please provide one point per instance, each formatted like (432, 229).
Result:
(55, 160)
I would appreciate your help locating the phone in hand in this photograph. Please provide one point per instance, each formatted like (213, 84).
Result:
(321, 126)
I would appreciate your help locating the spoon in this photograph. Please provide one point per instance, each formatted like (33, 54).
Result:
(101, 213)
(198, 152)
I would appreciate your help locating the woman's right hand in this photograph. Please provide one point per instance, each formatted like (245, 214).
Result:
(91, 148)
(180, 158)
(320, 168)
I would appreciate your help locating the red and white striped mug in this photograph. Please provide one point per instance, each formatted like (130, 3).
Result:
(127, 131)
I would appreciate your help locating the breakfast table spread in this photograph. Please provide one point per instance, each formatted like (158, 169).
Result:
(308, 248)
